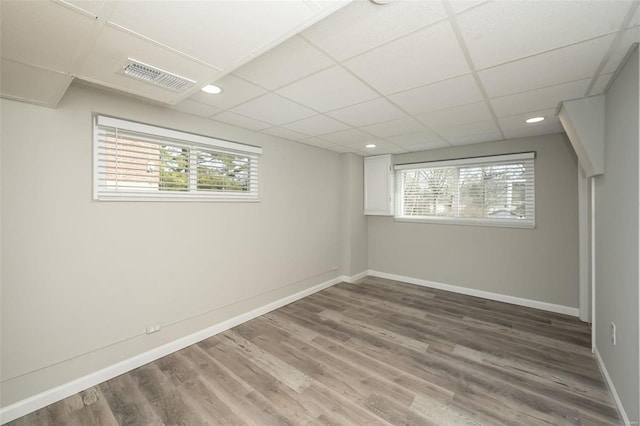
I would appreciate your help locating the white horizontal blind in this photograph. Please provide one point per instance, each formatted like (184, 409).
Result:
(498, 190)
(139, 161)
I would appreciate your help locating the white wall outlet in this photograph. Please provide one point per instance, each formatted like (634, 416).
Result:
(153, 328)
(613, 333)
(334, 268)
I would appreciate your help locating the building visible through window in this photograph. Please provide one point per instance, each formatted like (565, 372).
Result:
(134, 160)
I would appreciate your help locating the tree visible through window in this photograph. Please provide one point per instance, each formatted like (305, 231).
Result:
(222, 172)
(491, 189)
(136, 164)
(173, 168)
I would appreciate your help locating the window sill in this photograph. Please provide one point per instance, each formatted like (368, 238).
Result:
(468, 222)
(179, 199)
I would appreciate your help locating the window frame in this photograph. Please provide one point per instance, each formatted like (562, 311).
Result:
(528, 222)
(191, 141)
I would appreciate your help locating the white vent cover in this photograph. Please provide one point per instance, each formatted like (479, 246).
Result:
(157, 76)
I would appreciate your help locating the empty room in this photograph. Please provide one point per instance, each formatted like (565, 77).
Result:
(319, 212)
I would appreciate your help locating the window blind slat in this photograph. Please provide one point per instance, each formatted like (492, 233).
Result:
(129, 163)
(105, 122)
(495, 189)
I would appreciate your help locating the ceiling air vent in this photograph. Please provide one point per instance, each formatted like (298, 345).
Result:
(157, 76)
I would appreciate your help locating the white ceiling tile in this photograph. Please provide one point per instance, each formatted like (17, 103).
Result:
(285, 133)
(362, 25)
(559, 66)
(273, 109)
(111, 51)
(284, 64)
(392, 149)
(469, 113)
(240, 121)
(459, 6)
(369, 112)
(424, 146)
(348, 136)
(502, 31)
(475, 138)
(327, 90)
(546, 129)
(92, 7)
(382, 147)
(396, 127)
(196, 108)
(444, 94)
(31, 84)
(424, 57)
(42, 34)
(601, 84)
(317, 125)
(482, 131)
(220, 33)
(518, 120)
(320, 143)
(548, 97)
(234, 92)
(342, 149)
(515, 126)
(423, 138)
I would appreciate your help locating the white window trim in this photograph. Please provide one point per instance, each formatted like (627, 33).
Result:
(190, 139)
(467, 161)
(498, 222)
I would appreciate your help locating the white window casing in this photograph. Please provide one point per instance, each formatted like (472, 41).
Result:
(141, 162)
(486, 191)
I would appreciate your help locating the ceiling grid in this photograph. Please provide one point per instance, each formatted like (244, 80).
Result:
(336, 74)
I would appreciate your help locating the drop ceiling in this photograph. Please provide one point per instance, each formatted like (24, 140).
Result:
(405, 76)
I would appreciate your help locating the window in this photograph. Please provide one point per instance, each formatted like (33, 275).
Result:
(134, 161)
(497, 191)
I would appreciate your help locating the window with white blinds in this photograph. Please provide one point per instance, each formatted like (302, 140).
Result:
(135, 161)
(497, 191)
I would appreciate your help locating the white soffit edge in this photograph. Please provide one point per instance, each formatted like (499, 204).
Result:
(583, 120)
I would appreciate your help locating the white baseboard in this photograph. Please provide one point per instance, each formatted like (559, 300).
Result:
(33, 403)
(356, 277)
(612, 389)
(551, 307)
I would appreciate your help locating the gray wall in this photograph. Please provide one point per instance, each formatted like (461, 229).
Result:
(617, 241)
(539, 264)
(82, 279)
(354, 228)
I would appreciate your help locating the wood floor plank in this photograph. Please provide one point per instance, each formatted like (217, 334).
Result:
(376, 352)
(231, 390)
(128, 405)
(276, 397)
(442, 414)
(202, 399)
(456, 331)
(164, 398)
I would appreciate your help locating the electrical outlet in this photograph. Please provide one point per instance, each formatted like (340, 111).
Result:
(153, 328)
(613, 333)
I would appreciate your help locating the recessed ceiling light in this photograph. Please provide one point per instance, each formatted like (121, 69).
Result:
(534, 120)
(211, 89)
(370, 145)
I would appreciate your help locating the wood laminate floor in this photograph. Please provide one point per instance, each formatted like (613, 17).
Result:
(376, 352)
